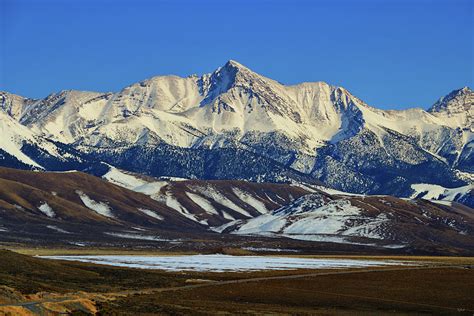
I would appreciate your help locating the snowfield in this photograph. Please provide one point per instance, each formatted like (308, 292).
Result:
(13, 135)
(151, 213)
(202, 203)
(310, 218)
(57, 229)
(134, 183)
(223, 263)
(437, 192)
(122, 179)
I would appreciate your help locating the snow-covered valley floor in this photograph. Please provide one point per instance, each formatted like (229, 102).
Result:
(223, 263)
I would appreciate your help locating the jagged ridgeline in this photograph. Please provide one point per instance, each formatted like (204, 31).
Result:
(236, 124)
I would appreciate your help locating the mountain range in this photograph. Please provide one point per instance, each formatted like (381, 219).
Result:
(236, 124)
(234, 153)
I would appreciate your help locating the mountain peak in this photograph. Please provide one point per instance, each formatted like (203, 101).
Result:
(224, 78)
(234, 64)
(234, 69)
(466, 89)
(456, 101)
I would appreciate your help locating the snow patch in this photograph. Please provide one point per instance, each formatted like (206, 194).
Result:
(98, 207)
(59, 230)
(227, 216)
(220, 198)
(46, 209)
(133, 183)
(202, 203)
(269, 249)
(172, 202)
(250, 200)
(220, 229)
(123, 179)
(80, 244)
(151, 213)
(337, 192)
(437, 192)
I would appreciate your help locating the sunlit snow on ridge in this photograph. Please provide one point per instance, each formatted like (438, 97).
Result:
(222, 263)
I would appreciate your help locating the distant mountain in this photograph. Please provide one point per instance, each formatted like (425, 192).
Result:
(21, 148)
(236, 124)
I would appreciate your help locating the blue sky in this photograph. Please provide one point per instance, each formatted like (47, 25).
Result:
(392, 54)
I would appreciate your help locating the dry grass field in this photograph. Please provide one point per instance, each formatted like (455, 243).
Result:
(433, 291)
(32, 286)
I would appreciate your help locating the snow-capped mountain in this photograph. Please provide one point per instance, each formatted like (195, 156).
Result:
(21, 148)
(456, 108)
(439, 194)
(14, 135)
(236, 124)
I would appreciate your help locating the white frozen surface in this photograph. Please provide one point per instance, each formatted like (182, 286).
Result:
(311, 218)
(326, 222)
(269, 249)
(59, 230)
(151, 213)
(250, 200)
(13, 136)
(136, 236)
(134, 183)
(202, 203)
(80, 244)
(222, 263)
(441, 202)
(98, 207)
(46, 209)
(220, 229)
(336, 192)
(172, 202)
(152, 188)
(122, 179)
(437, 192)
(220, 198)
